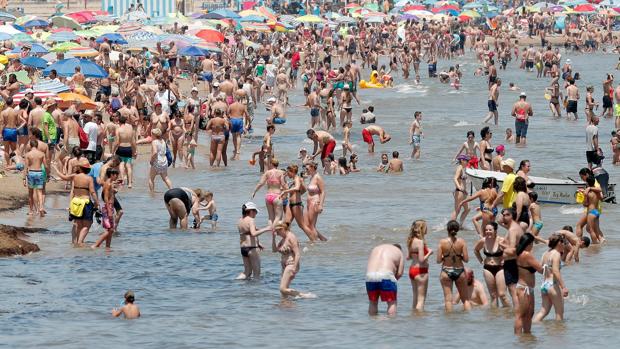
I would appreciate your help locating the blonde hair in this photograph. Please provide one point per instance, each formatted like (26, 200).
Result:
(418, 230)
(275, 162)
(282, 225)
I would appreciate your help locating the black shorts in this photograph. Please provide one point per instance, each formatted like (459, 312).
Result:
(492, 105)
(529, 64)
(511, 272)
(571, 107)
(90, 156)
(492, 79)
(592, 157)
(178, 193)
(607, 103)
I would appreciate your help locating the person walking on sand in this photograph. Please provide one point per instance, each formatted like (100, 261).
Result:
(386, 265)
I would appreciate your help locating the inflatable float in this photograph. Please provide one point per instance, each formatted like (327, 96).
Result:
(373, 83)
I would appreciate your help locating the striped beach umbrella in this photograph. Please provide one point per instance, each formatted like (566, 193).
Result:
(52, 86)
(62, 37)
(41, 94)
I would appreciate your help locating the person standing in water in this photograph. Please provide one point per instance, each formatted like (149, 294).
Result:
(385, 266)
(415, 134)
(248, 239)
(419, 254)
(288, 247)
(553, 290)
(452, 254)
(522, 111)
(492, 102)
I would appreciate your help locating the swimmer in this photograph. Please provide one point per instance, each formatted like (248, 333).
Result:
(493, 270)
(475, 291)
(395, 164)
(510, 138)
(385, 267)
(372, 130)
(129, 310)
(513, 87)
(248, 239)
(418, 253)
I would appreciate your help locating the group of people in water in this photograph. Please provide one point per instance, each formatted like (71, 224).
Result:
(143, 102)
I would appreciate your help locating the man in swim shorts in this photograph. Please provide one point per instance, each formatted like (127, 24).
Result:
(324, 144)
(415, 133)
(385, 266)
(372, 130)
(8, 128)
(35, 178)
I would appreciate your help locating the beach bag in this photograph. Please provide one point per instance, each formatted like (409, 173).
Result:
(83, 138)
(76, 207)
(168, 155)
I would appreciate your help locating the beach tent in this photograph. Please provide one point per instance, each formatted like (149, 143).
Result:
(153, 8)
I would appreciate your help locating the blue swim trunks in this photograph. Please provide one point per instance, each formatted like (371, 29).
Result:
(36, 179)
(236, 125)
(207, 76)
(214, 217)
(9, 134)
(279, 121)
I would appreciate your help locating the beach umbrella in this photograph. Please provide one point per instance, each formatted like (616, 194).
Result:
(193, 51)
(4, 59)
(35, 49)
(129, 28)
(41, 94)
(5, 36)
(374, 20)
(53, 86)
(66, 67)
(33, 61)
(53, 56)
(40, 36)
(104, 29)
(135, 16)
(309, 19)
(22, 37)
(585, 8)
(64, 46)
(345, 19)
(210, 15)
(429, 2)
(141, 36)
(252, 18)
(104, 18)
(74, 97)
(473, 5)
(38, 22)
(62, 37)
(22, 76)
(82, 52)
(408, 17)
(7, 17)
(226, 13)
(413, 7)
(210, 35)
(114, 38)
(23, 19)
(352, 5)
(64, 21)
(8, 29)
(402, 3)
(82, 17)
(470, 14)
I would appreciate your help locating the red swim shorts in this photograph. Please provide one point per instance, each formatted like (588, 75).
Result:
(367, 137)
(328, 149)
(386, 289)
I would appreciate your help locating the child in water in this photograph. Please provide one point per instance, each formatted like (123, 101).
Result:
(211, 208)
(191, 152)
(346, 143)
(510, 138)
(130, 310)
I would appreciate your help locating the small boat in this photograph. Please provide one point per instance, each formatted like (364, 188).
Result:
(549, 190)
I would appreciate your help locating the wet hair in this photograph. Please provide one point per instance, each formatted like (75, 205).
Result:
(586, 241)
(371, 108)
(554, 240)
(533, 196)
(395, 154)
(484, 132)
(526, 240)
(342, 162)
(310, 132)
(24, 104)
(512, 212)
(111, 171)
(520, 185)
(418, 230)
(489, 182)
(275, 162)
(567, 227)
(293, 168)
(270, 127)
(470, 133)
(453, 227)
(122, 119)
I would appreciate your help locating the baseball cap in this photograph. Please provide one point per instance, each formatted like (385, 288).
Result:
(194, 89)
(216, 84)
(523, 94)
(250, 206)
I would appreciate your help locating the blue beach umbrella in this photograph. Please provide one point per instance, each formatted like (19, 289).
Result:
(252, 18)
(33, 61)
(19, 27)
(211, 15)
(36, 23)
(226, 13)
(193, 51)
(114, 38)
(5, 36)
(66, 68)
(62, 37)
(35, 48)
(7, 17)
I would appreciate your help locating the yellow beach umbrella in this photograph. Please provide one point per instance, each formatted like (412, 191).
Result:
(309, 19)
(4, 59)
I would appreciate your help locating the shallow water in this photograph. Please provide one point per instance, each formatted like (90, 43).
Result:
(61, 297)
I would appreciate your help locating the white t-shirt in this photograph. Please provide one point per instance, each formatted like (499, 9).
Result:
(91, 130)
(165, 98)
(591, 132)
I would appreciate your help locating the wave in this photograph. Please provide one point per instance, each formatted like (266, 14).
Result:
(464, 123)
(411, 89)
(571, 210)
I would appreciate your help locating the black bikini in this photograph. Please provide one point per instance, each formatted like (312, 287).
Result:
(493, 269)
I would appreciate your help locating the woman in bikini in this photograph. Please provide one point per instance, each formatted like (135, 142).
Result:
(296, 207)
(419, 255)
(288, 247)
(177, 136)
(82, 194)
(274, 178)
(486, 150)
(316, 197)
(553, 290)
(460, 191)
(522, 203)
(452, 254)
(487, 212)
(492, 264)
(248, 239)
(528, 266)
(470, 148)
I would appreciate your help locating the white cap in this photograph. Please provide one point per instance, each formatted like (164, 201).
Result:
(194, 89)
(28, 90)
(251, 206)
(568, 61)
(271, 100)
(216, 84)
(523, 94)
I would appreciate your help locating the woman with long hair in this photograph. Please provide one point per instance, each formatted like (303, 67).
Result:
(527, 266)
(522, 203)
(159, 161)
(553, 290)
(486, 195)
(419, 255)
(452, 254)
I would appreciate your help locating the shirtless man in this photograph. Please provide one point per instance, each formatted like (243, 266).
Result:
(492, 102)
(312, 102)
(372, 130)
(385, 266)
(572, 96)
(34, 178)
(608, 88)
(70, 131)
(522, 111)
(9, 120)
(508, 220)
(415, 134)
(126, 148)
(239, 121)
(324, 144)
(228, 88)
(130, 310)
(208, 67)
(217, 126)
(278, 114)
(283, 84)
(396, 164)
